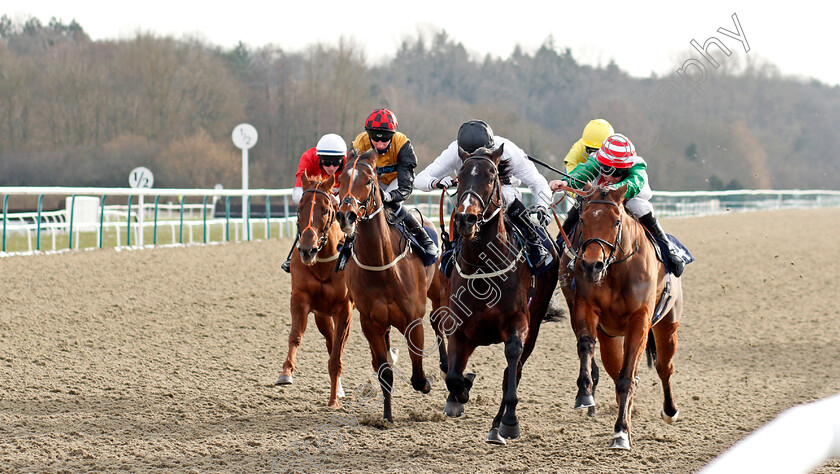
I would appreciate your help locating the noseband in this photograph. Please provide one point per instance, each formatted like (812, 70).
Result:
(495, 192)
(611, 258)
(363, 205)
(323, 239)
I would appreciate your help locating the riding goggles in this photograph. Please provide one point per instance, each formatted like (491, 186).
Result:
(612, 171)
(381, 137)
(330, 161)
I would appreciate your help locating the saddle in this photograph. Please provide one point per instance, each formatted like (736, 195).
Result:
(398, 221)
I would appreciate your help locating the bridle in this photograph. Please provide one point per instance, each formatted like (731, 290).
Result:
(362, 205)
(495, 197)
(324, 233)
(613, 254)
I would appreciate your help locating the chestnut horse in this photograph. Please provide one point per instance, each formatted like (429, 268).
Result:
(316, 287)
(489, 291)
(387, 279)
(612, 295)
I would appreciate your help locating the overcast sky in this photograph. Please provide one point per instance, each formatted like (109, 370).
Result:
(640, 36)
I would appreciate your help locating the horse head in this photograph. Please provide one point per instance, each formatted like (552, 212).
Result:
(359, 191)
(479, 190)
(600, 230)
(317, 213)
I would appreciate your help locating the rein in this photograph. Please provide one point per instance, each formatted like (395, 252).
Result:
(324, 234)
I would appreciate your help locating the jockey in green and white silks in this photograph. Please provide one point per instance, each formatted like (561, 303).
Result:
(614, 165)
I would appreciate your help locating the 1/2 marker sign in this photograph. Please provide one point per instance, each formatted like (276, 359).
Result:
(141, 177)
(244, 136)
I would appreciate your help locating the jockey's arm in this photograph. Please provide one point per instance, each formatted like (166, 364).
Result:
(635, 180)
(406, 162)
(445, 164)
(523, 169)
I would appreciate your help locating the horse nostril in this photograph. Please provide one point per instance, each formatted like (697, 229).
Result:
(351, 217)
(340, 218)
(312, 252)
(598, 267)
(470, 219)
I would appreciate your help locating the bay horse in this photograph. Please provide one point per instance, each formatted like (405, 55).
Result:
(316, 288)
(387, 279)
(612, 296)
(489, 290)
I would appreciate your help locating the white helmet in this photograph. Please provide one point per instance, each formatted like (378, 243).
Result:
(331, 145)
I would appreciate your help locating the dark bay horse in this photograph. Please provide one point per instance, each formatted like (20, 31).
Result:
(612, 296)
(489, 291)
(387, 279)
(316, 288)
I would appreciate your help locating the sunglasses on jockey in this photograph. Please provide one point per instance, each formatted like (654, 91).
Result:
(330, 160)
(381, 137)
(612, 171)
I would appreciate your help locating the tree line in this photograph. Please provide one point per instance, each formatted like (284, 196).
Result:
(77, 112)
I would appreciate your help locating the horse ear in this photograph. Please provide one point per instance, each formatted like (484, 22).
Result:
(328, 183)
(305, 182)
(351, 155)
(621, 192)
(463, 154)
(496, 156)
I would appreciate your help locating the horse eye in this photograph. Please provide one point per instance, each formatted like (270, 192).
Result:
(617, 223)
(370, 181)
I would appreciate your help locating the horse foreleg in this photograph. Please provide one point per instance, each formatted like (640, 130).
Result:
(612, 356)
(376, 337)
(341, 321)
(300, 313)
(585, 397)
(415, 352)
(665, 334)
(458, 385)
(507, 425)
(625, 385)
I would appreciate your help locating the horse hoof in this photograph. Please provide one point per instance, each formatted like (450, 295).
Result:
(584, 401)
(453, 409)
(670, 419)
(591, 412)
(393, 355)
(339, 391)
(509, 431)
(284, 380)
(620, 440)
(493, 437)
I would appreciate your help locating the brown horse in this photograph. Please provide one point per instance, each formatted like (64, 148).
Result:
(612, 295)
(316, 288)
(387, 279)
(489, 291)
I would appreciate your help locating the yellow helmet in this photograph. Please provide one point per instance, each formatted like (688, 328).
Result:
(596, 132)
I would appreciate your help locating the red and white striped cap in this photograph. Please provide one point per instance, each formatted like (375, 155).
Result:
(617, 151)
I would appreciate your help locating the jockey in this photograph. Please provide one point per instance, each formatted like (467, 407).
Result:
(614, 165)
(514, 167)
(594, 134)
(325, 159)
(395, 167)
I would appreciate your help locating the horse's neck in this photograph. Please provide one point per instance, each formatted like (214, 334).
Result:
(492, 233)
(373, 240)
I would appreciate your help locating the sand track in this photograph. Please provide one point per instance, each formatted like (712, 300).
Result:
(164, 360)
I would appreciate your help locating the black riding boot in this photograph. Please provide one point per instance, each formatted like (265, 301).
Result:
(287, 265)
(519, 215)
(344, 253)
(420, 234)
(676, 263)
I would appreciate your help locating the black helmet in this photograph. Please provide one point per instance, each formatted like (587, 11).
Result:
(475, 134)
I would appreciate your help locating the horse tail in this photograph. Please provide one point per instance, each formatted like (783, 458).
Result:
(650, 350)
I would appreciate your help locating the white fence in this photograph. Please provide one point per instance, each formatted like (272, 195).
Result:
(112, 217)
